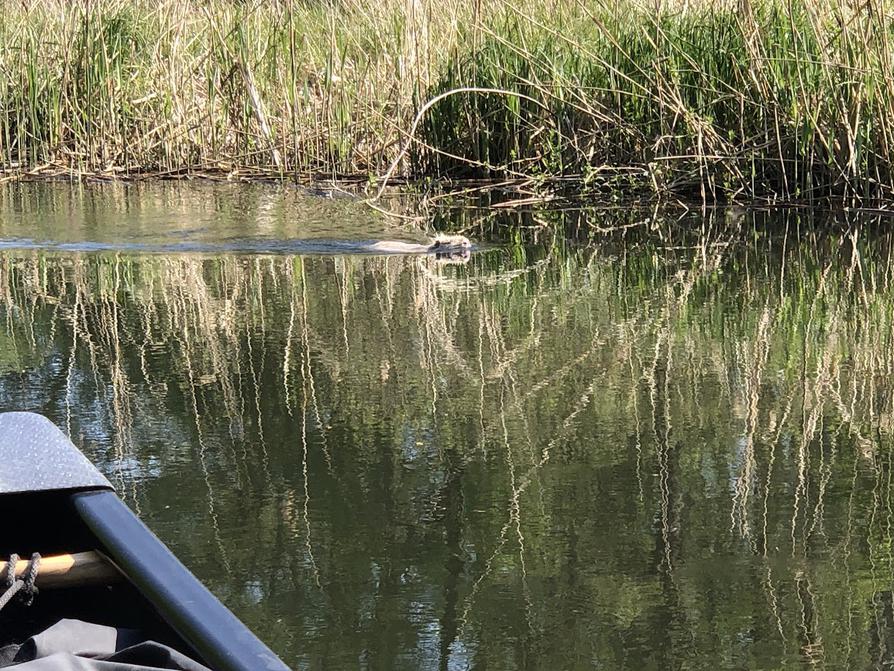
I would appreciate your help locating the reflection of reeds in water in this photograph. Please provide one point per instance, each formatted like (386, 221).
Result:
(736, 374)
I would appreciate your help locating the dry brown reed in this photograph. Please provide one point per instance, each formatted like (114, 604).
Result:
(736, 100)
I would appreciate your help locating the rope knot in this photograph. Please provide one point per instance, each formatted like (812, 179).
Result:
(23, 588)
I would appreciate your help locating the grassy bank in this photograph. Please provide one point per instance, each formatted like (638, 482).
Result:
(751, 99)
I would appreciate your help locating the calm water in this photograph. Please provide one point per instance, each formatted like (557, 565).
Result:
(609, 441)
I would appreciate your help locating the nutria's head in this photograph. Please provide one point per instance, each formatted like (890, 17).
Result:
(451, 248)
(446, 244)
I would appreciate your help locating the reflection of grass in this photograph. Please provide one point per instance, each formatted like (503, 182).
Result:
(738, 392)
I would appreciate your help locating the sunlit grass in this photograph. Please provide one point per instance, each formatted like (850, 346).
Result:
(732, 100)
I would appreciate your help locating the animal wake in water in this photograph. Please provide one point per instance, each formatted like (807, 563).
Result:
(448, 248)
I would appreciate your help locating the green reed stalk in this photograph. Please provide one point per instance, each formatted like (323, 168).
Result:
(755, 98)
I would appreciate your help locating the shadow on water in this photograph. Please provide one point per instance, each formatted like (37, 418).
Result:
(609, 440)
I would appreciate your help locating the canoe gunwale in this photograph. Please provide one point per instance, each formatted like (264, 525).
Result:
(194, 613)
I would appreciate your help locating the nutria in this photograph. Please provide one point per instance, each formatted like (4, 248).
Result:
(447, 245)
(442, 247)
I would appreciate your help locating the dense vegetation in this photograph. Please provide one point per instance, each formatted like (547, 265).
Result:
(755, 98)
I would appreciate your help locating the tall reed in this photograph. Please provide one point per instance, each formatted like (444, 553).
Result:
(778, 100)
(755, 98)
(115, 86)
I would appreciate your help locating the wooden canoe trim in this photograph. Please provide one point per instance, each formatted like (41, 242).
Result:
(69, 570)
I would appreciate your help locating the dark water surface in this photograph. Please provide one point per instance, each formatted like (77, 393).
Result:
(609, 441)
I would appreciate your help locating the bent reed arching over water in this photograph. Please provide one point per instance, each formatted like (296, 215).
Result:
(730, 100)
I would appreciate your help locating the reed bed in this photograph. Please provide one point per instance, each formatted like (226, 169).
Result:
(733, 100)
(294, 87)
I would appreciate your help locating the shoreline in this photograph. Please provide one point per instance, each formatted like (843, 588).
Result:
(553, 192)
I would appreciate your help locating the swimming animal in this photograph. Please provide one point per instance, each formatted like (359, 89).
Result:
(447, 246)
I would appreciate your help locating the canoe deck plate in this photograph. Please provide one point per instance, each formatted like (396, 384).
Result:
(35, 456)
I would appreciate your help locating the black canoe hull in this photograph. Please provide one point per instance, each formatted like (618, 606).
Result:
(76, 511)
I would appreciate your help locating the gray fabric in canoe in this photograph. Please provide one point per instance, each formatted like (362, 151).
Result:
(72, 645)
